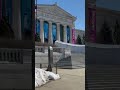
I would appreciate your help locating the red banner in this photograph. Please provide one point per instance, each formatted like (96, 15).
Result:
(73, 36)
(92, 23)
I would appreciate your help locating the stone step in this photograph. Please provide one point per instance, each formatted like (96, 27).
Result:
(103, 88)
(104, 77)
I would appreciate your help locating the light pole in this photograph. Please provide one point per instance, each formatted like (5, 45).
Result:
(50, 59)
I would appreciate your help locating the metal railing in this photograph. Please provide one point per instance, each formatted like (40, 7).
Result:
(57, 55)
(40, 49)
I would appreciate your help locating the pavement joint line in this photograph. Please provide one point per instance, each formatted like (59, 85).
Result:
(44, 84)
(72, 75)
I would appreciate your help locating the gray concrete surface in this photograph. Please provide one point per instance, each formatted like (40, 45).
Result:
(102, 55)
(71, 79)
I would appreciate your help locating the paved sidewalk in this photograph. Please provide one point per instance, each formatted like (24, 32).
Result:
(71, 79)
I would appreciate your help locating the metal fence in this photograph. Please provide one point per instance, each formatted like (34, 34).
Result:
(62, 58)
(42, 58)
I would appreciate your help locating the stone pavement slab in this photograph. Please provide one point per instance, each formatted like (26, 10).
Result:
(71, 79)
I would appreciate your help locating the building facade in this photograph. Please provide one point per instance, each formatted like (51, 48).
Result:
(91, 21)
(99, 14)
(16, 44)
(109, 17)
(54, 23)
(17, 14)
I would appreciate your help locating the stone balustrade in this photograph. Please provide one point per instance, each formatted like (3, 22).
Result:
(11, 55)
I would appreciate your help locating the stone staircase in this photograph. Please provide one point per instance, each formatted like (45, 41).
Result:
(62, 56)
(65, 62)
(74, 61)
(103, 77)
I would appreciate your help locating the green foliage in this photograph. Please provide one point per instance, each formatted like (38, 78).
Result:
(116, 34)
(106, 34)
(78, 41)
(37, 37)
(5, 29)
(83, 39)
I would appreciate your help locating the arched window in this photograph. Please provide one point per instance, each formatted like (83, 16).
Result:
(68, 34)
(54, 32)
(37, 30)
(46, 31)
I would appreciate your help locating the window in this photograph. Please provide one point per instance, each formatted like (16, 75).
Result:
(61, 33)
(68, 34)
(46, 31)
(54, 32)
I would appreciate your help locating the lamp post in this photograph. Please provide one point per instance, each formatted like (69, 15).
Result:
(50, 59)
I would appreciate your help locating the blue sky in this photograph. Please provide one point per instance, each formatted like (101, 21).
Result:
(74, 7)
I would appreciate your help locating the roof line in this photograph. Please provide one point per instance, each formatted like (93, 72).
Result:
(63, 10)
(58, 7)
(110, 10)
(45, 4)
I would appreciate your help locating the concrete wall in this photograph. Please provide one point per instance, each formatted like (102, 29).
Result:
(16, 75)
(102, 54)
(110, 16)
(74, 48)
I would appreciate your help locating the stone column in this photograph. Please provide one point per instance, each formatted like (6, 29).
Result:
(16, 19)
(58, 31)
(50, 37)
(65, 33)
(70, 34)
(41, 30)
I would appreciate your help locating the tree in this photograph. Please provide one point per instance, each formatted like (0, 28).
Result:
(79, 40)
(6, 30)
(83, 39)
(37, 37)
(116, 34)
(106, 34)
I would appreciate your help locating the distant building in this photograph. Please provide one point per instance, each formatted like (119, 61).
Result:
(79, 32)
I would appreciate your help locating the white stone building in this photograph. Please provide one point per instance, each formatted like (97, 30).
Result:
(54, 23)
